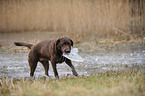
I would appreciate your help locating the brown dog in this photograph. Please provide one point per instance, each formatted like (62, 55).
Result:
(49, 50)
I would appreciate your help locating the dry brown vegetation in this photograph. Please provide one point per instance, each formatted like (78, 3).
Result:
(125, 83)
(74, 17)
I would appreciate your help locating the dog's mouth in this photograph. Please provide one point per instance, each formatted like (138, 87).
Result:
(67, 52)
(67, 55)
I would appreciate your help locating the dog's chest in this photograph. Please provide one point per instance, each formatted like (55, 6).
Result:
(57, 59)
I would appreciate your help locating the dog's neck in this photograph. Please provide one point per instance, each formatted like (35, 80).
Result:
(59, 52)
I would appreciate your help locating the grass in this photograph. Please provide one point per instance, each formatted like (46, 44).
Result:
(120, 83)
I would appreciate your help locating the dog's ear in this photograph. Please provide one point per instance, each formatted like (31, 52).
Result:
(57, 41)
(71, 42)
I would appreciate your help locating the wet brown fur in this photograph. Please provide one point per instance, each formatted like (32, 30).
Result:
(49, 50)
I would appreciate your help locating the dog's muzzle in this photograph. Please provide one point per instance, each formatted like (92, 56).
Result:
(67, 51)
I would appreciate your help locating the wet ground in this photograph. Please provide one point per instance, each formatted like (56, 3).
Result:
(86, 62)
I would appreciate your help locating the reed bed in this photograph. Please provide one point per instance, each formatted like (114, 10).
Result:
(74, 17)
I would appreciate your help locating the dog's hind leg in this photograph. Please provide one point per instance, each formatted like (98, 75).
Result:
(33, 65)
(33, 60)
(46, 66)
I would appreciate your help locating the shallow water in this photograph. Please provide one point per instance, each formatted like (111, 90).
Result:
(15, 65)
(101, 62)
(86, 62)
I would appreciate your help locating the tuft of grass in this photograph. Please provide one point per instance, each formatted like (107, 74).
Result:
(121, 83)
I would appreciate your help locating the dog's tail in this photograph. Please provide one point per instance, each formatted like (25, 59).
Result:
(23, 44)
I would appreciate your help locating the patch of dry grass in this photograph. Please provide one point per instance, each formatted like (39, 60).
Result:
(123, 83)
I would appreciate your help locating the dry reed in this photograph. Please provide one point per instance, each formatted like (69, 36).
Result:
(75, 17)
(121, 83)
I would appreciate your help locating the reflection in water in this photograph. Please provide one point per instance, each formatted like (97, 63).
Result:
(16, 65)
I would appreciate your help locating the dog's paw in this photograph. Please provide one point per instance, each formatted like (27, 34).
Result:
(75, 73)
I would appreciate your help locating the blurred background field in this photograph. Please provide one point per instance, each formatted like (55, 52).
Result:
(76, 18)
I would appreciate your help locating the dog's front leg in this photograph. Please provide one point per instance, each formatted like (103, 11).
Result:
(69, 63)
(55, 70)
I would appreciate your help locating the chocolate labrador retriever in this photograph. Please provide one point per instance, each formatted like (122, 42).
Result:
(49, 50)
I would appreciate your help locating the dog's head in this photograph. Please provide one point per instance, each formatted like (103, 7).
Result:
(64, 44)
